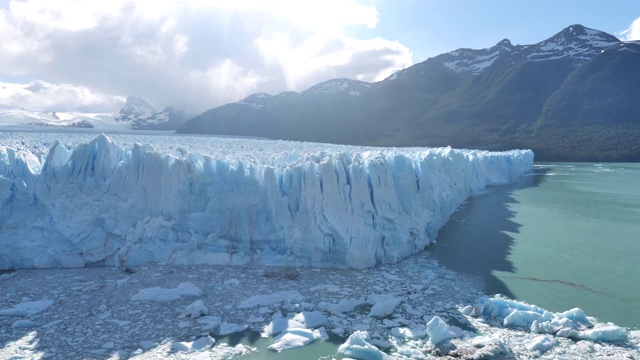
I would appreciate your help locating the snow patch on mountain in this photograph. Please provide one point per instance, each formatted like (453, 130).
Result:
(336, 86)
(576, 42)
(475, 61)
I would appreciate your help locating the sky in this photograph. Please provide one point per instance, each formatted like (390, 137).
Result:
(81, 55)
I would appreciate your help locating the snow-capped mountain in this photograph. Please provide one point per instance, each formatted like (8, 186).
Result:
(135, 108)
(136, 114)
(20, 116)
(572, 96)
(475, 61)
(575, 42)
(142, 116)
(335, 87)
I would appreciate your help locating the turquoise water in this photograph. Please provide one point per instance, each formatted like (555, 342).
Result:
(320, 350)
(566, 236)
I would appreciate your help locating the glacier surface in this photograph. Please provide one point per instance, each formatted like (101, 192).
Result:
(97, 203)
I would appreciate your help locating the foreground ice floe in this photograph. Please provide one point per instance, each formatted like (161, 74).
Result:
(570, 324)
(102, 204)
(92, 315)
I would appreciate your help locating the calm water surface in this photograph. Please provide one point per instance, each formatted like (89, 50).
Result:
(566, 236)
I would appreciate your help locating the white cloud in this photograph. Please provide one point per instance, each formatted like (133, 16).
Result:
(64, 97)
(196, 54)
(633, 32)
(60, 14)
(319, 58)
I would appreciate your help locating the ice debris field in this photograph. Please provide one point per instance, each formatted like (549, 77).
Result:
(337, 211)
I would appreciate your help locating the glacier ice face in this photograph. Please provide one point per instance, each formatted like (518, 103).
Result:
(101, 204)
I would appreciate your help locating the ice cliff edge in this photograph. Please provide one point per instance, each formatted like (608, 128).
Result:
(100, 204)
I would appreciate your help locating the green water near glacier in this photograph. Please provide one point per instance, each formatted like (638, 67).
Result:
(566, 236)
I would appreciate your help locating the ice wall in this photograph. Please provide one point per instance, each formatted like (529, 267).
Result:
(100, 204)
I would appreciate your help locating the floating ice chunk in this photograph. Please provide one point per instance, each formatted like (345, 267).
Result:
(294, 338)
(209, 322)
(541, 344)
(343, 306)
(231, 328)
(502, 307)
(487, 341)
(323, 334)
(376, 298)
(311, 319)
(270, 299)
(471, 310)
(180, 346)
(545, 327)
(358, 346)
(202, 343)
(575, 314)
(196, 309)
(23, 324)
(27, 308)
(224, 351)
(609, 333)
(408, 333)
(438, 331)
(524, 318)
(573, 323)
(280, 323)
(328, 287)
(186, 289)
(384, 308)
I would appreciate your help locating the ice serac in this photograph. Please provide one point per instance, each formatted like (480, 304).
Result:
(100, 204)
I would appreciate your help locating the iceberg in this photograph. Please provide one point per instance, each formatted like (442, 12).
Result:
(347, 207)
(572, 324)
(358, 346)
(438, 331)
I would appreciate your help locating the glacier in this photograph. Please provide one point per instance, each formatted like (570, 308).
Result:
(100, 204)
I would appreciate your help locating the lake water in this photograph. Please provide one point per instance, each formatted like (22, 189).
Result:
(566, 236)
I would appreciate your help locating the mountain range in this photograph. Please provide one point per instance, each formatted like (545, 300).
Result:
(136, 114)
(571, 97)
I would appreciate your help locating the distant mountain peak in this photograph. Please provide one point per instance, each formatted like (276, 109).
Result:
(335, 86)
(581, 34)
(505, 43)
(142, 116)
(136, 101)
(475, 61)
(257, 100)
(135, 108)
(575, 42)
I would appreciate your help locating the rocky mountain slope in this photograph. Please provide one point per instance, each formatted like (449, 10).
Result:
(570, 97)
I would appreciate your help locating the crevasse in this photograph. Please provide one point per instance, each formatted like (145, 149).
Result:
(100, 204)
